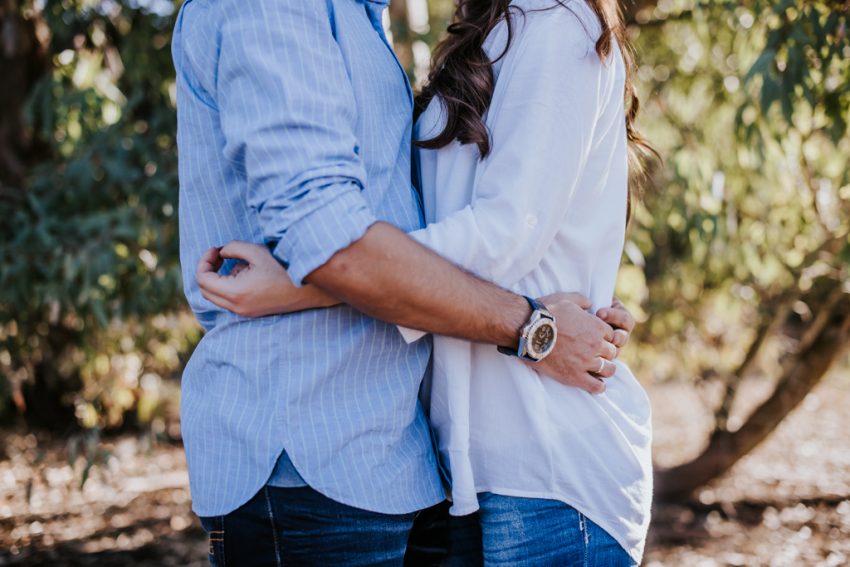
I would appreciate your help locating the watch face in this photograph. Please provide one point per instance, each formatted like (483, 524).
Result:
(542, 339)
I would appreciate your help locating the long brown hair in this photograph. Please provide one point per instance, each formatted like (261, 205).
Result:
(462, 73)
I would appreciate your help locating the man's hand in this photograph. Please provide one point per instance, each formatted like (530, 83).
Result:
(584, 351)
(257, 287)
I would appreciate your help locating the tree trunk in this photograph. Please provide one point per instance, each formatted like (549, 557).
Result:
(22, 63)
(818, 351)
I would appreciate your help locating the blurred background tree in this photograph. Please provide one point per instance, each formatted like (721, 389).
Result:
(89, 261)
(736, 264)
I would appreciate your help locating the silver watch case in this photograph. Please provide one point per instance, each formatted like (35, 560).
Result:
(540, 327)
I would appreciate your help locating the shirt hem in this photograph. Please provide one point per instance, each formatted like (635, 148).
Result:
(336, 497)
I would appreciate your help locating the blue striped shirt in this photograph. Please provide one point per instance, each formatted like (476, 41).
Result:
(294, 127)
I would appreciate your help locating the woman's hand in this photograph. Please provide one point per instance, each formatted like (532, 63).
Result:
(257, 287)
(590, 360)
(621, 320)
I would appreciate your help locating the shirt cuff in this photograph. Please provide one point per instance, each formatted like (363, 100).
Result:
(409, 335)
(314, 238)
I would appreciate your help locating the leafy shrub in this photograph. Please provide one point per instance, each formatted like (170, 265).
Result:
(90, 252)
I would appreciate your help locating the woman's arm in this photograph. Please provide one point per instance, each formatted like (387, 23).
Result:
(279, 295)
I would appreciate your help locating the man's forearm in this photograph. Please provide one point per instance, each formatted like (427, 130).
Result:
(389, 276)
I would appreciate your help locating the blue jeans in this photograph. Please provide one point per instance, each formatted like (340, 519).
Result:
(299, 526)
(531, 532)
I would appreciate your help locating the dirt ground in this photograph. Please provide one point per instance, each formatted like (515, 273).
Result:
(786, 504)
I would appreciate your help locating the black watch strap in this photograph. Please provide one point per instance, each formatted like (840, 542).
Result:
(507, 351)
(535, 306)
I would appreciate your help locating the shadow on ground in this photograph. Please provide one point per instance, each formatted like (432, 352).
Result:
(786, 504)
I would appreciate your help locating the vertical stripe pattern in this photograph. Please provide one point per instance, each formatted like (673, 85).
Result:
(294, 127)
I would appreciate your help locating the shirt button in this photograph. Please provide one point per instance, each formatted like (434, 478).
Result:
(531, 220)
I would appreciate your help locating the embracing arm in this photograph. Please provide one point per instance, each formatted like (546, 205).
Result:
(384, 274)
(289, 112)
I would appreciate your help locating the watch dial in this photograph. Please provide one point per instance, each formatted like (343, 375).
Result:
(542, 339)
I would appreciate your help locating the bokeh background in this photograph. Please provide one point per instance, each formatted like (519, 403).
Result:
(736, 266)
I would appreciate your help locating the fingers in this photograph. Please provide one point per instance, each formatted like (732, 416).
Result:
(212, 282)
(238, 268)
(210, 261)
(621, 338)
(219, 300)
(603, 368)
(592, 385)
(606, 330)
(207, 274)
(246, 251)
(223, 291)
(586, 381)
(222, 287)
(617, 317)
(608, 350)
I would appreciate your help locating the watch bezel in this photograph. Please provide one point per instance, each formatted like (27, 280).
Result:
(540, 316)
(531, 330)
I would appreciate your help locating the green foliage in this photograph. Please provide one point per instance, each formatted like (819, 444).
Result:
(803, 71)
(90, 240)
(748, 102)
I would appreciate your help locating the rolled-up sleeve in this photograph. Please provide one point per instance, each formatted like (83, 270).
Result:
(288, 114)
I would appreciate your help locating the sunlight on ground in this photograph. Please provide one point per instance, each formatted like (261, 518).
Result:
(786, 504)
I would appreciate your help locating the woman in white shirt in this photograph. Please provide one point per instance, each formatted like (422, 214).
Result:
(523, 137)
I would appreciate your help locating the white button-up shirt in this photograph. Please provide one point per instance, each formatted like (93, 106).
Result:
(544, 212)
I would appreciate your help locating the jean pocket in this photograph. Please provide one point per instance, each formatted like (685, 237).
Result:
(214, 527)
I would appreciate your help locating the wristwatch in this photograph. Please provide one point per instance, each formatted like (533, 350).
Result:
(537, 337)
